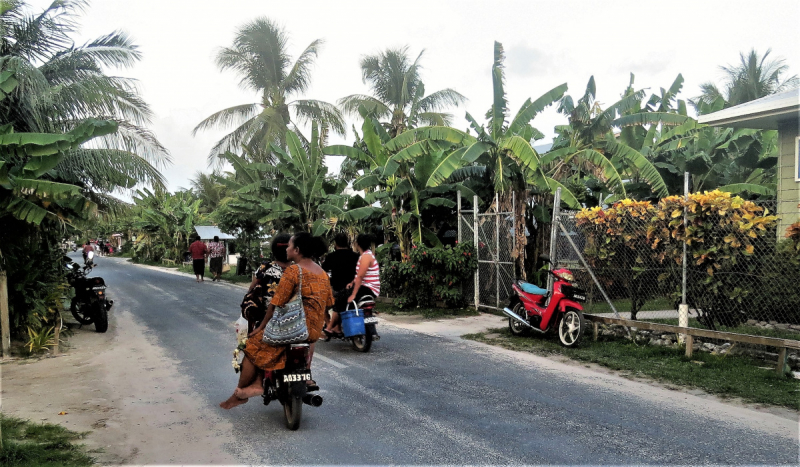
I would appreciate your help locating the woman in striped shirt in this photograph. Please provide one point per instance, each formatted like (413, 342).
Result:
(367, 282)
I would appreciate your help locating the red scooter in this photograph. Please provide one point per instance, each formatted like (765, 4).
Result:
(535, 309)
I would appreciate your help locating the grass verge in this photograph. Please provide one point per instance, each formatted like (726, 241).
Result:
(726, 376)
(40, 445)
(426, 313)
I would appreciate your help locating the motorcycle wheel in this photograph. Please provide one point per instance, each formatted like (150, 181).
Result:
(517, 328)
(293, 405)
(571, 327)
(101, 318)
(362, 343)
(80, 313)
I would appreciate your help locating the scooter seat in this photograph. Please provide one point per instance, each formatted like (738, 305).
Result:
(527, 287)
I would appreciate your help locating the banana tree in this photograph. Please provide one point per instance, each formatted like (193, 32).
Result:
(164, 223)
(502, 156)
(588, 152)
(407, 174)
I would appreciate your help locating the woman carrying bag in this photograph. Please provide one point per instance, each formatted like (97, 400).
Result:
(317, 297)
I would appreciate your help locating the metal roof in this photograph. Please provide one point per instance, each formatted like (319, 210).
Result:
(765, 113)
(207, 232)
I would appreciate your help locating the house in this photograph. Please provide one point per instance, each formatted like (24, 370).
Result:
(774, 112)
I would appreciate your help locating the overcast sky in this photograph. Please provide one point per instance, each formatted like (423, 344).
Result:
(547, 43)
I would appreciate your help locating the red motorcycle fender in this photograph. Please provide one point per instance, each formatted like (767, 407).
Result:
(564, 303)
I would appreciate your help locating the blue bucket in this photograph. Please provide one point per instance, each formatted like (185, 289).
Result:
(353, 323)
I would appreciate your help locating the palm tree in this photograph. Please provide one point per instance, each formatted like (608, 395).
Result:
(260, 58)
(59, 85)
(207, 187)
(754, 77)
(398, 93)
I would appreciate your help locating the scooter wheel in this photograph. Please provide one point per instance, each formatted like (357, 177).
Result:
(517, 328)
(362, 343)
(293, 405)
(571, 327)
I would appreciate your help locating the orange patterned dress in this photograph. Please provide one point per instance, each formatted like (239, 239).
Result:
(317, 297)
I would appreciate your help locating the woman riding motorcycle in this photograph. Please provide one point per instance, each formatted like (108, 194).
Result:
(367, 282)
(317, 297)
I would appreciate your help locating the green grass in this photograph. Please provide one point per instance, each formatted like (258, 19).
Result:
(426, 313)
(40, 445)
(741, 329)
(726, 376)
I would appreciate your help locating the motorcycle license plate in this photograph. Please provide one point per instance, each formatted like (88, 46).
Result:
(294, 377)
(372, 320)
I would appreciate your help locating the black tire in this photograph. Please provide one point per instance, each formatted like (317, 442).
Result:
(101, 317)
(80, 311)
(293, 405)
(517, 328)
(571, 327)
(362, 343)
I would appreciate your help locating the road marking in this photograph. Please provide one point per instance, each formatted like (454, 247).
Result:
(217, 312)
(395, 390)
(328, 360)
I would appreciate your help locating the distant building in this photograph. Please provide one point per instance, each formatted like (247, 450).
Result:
(774, 112)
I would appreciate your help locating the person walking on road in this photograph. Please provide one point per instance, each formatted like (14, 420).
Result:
(199, 252)
(216, 250)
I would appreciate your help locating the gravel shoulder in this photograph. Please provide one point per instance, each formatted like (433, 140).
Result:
(126, 393)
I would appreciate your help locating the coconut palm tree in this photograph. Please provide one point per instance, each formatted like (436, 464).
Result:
(398, 93)
(259, 56)
(754, 77)
(60, 84)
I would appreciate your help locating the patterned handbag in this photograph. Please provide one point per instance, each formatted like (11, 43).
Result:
(288, 322)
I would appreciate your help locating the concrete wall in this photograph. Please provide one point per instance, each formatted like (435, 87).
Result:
(788, 187)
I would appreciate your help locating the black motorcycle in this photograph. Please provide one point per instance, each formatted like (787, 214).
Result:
(90, 304)
(289, 387)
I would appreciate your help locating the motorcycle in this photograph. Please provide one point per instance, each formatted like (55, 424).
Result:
(288, 386)
(362, 340)
(533, 308)
(90, 304)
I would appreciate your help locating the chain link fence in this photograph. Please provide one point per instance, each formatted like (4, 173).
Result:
(750, 286)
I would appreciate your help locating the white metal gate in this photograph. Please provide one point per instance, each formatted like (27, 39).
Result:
(493, 235)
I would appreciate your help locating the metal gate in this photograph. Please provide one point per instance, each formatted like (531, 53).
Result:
(493, 235)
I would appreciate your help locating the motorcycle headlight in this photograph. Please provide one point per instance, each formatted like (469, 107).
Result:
(567, 276)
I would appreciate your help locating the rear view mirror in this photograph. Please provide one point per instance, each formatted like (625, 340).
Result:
(545, 258)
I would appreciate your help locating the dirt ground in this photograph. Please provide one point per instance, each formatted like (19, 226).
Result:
(124, 391)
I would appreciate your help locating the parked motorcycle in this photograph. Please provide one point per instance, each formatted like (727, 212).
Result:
(533, 308)
(289, 387)
(361, 337)
(90, 304)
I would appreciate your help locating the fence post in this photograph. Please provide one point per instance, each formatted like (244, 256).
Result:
(5, 322)
(683, 309)
(458, 215)
(554, 236)
(497, 250)
(477, 292)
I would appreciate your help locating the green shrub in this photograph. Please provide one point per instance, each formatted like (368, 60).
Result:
(429, 275)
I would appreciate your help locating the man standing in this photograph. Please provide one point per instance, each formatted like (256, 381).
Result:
(199, 253)
(216, 250)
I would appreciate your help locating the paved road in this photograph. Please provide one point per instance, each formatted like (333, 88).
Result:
(417, 399)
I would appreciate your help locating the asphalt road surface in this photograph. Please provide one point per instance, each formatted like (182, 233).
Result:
(418, 399)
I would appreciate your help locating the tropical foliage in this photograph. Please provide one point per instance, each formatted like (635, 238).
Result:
(71, 136)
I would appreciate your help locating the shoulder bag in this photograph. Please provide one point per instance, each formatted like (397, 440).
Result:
(288, 322)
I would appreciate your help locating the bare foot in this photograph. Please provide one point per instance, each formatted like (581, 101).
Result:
(248, 392)
(232, 402)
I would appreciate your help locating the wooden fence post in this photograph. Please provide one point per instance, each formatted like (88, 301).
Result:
(689, 344)
(5, 322)
(781, 361)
